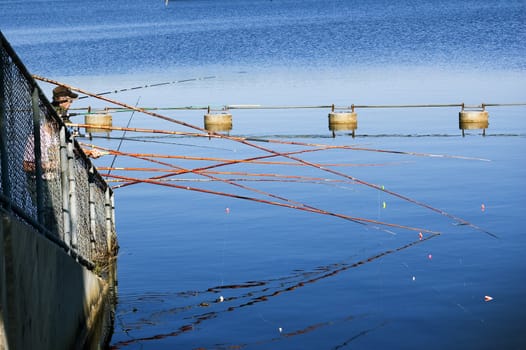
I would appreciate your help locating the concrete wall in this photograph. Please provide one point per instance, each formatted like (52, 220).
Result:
(47, 300)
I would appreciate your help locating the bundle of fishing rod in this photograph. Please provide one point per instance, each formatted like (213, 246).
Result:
(164, 171)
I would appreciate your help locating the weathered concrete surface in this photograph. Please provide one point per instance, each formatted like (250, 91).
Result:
(47, 300)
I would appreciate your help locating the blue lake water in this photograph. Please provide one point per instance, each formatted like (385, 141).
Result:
(202, 271)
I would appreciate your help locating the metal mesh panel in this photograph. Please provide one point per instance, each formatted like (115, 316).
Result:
(82, 194)
(99, 219)
(18, 131)
(48, 189)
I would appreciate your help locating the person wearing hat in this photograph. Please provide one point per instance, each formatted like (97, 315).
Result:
(62, 99)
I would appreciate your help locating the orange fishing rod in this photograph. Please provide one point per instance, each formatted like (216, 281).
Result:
(240, 173)
(183, 172)
(179, 172)
(288, 155)
(295, 143)
(226, 160)
(294, 204)
(290, 206)
(143, 130)
(356, 148)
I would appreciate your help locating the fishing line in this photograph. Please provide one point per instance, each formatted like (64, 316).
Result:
(123, 135)
(148, 86)
(306, 208)
(146, 139)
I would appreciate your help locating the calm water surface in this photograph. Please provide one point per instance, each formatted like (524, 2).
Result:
(214, 272)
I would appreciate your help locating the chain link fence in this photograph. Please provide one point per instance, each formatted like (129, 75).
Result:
(46, 179)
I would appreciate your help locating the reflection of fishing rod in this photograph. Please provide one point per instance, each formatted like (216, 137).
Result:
(258, 292)
(151, 85)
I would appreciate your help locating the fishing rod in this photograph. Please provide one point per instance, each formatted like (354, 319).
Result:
(144, 130)
(332, 107)
(295, 204)
(356, 148)
(165, 170)
(286, 205)
(239, 173)
(224, 163)
(184, 172)
(149, 139)
(318, 182)
(273, 175)
(249, 177)
(268, 150)
(146, 86)
(314, 181)
(295, 143)
(382, 188)
(226, 160)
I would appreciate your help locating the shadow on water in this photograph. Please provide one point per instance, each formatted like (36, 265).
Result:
(251, 293)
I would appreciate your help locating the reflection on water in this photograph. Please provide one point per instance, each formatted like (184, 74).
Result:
(101, 324)
(204, 304)
(245, 242)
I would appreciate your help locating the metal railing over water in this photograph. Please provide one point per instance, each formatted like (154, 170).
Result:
(46, 179)
(352, 107)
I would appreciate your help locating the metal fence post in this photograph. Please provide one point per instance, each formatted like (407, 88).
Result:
(38, 156)
(92, 212)
(4, 161)
(65, 186)
(109, 213)
(72, 194)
